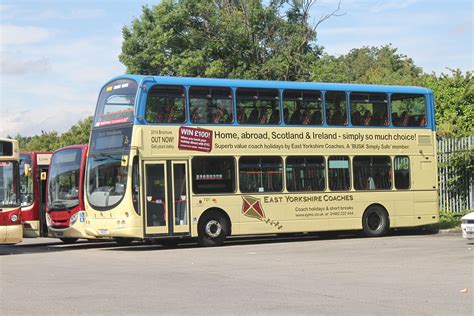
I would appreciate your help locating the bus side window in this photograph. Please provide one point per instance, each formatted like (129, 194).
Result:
(408, 110)
(305, 174)
(302, 107)
(338, 173)
(255, 105)
(165, 104)
(213, 175)
(373, 105)
(260, 174)
(402, 172)
(336, 106)
(211, 105)
(372, 172)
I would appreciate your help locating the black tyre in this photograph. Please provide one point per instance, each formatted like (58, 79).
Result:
(375, 221)
(121, 241)
(212, 229)
(68, 240)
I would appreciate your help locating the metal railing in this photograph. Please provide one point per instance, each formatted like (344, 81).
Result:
(462, 198)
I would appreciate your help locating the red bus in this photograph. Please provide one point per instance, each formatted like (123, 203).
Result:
(33, 176)
(65, 214)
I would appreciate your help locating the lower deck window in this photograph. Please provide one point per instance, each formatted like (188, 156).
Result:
(372, 173)
(402, 172)
(338, 173)
(305, 174)
(213, 175)
(261, 174)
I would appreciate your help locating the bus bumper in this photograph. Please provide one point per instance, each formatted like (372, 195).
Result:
(129, 232)
(11, 234)
(31, 229)
(70, 232)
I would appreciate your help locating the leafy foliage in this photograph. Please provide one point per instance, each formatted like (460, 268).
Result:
(232, 39)
(454, 102)
(374, 65)
(461, 170)
(50, 141)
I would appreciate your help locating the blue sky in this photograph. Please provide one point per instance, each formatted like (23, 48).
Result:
(56, 54)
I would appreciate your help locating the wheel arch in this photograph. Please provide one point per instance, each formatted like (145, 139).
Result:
(220, 211)
(377, 205)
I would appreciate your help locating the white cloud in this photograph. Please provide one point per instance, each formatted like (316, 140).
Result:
(32, 122)
(75, 14)
(21, 35)
(392, 5)
(68, 92)
(11, 64)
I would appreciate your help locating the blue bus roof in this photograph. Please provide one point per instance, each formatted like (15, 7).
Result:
(267, 84)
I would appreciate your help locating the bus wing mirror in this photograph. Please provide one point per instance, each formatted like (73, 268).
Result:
(27, 170)
(124, 161)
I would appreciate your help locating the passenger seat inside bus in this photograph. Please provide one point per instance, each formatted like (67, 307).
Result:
(275, 117)
(253, 117)
(316, 118)
(296, 117)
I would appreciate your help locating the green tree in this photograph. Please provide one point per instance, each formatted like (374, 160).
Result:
(46, 141)
(221, 38)
(454, 102)
(50, 141)
(372, 65)
(77, 134)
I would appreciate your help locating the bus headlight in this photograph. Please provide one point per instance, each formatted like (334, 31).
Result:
(13, 218)
(48, 219)
(73, 219)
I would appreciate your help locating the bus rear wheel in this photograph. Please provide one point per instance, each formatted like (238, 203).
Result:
(375, 221)
(68, 240)
(212, 229)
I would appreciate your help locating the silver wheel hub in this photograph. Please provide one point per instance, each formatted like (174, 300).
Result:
(213, 228)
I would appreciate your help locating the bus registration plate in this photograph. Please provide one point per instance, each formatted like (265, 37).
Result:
(103, 232)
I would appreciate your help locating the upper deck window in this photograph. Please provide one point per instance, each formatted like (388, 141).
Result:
(165, 104)
(210, 105)
(336, 108)
(116, 103)
(369, 109)
(408, 110)
(6, 148)
(302, 107)
(258, 106)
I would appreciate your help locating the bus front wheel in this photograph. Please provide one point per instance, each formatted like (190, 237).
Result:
(375, 221)
(212, 229)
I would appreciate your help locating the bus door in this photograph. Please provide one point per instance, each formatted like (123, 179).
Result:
(166, 198)
(42, 183)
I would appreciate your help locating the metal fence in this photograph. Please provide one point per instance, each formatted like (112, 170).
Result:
(463, 198)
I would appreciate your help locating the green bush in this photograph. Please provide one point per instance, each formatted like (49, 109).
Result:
(449, 220)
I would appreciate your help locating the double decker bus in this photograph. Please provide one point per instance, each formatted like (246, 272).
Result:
(65, 215)
(11, 230)
(174, 157)
(34, 168)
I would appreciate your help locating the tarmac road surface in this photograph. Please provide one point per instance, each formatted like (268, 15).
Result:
(398, 274)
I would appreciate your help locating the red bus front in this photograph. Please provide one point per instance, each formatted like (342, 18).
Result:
(65, 215)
